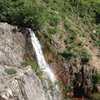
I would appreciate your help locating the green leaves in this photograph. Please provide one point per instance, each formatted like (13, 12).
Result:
(96, 36)
(85, 56)
(20, 12)
(10, 71)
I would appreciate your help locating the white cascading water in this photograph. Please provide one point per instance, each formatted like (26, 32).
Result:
(52, 94)
(40, 57)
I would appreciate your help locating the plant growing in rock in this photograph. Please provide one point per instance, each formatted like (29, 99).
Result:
(10, 71)
(85, 56)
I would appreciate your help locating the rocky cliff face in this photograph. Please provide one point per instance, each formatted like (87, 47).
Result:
(17, 82)
(12, 44)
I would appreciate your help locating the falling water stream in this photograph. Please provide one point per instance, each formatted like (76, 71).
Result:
(40, 57)
(54, 92)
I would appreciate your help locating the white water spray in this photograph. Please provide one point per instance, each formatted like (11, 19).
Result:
(40, 57)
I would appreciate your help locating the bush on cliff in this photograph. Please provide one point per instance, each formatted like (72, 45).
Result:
(36, 12)
(20, 12)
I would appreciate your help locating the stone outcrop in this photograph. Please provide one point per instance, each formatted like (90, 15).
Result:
(18, 82)
(24, 85)
(12, 44)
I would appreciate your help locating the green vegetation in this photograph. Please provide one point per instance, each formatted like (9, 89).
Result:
(77, 52)
(20, 12)
(34, 66)
(77, 21)
(85, 56)
(96, 36)
(35, 13)
(78, 18)
(32, 63)
(10, 71)
(52, 30)
(68, 55)
(96, 96)
(96, 78)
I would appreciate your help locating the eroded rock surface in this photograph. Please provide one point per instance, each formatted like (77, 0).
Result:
(24, 85)
(12, 44)
(18, 82)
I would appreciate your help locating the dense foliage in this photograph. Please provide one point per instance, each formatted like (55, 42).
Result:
(77, 21)
(20, 12)
(79, 17)
(33, 12)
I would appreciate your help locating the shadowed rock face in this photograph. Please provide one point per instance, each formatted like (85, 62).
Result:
(17, 82)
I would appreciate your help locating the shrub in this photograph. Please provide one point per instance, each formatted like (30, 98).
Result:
(70, 38)
(96, 36)
(52, 30)
(35, 13)
(96, 78)
(85, 56)
(54, 19)
(35, 67)
(10, 71)
(96, 96)
(32, 63)
(68, 55)
(20, 12)
(97, 43)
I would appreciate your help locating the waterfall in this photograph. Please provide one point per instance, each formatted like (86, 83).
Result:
(40, 57)
(51, 93)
